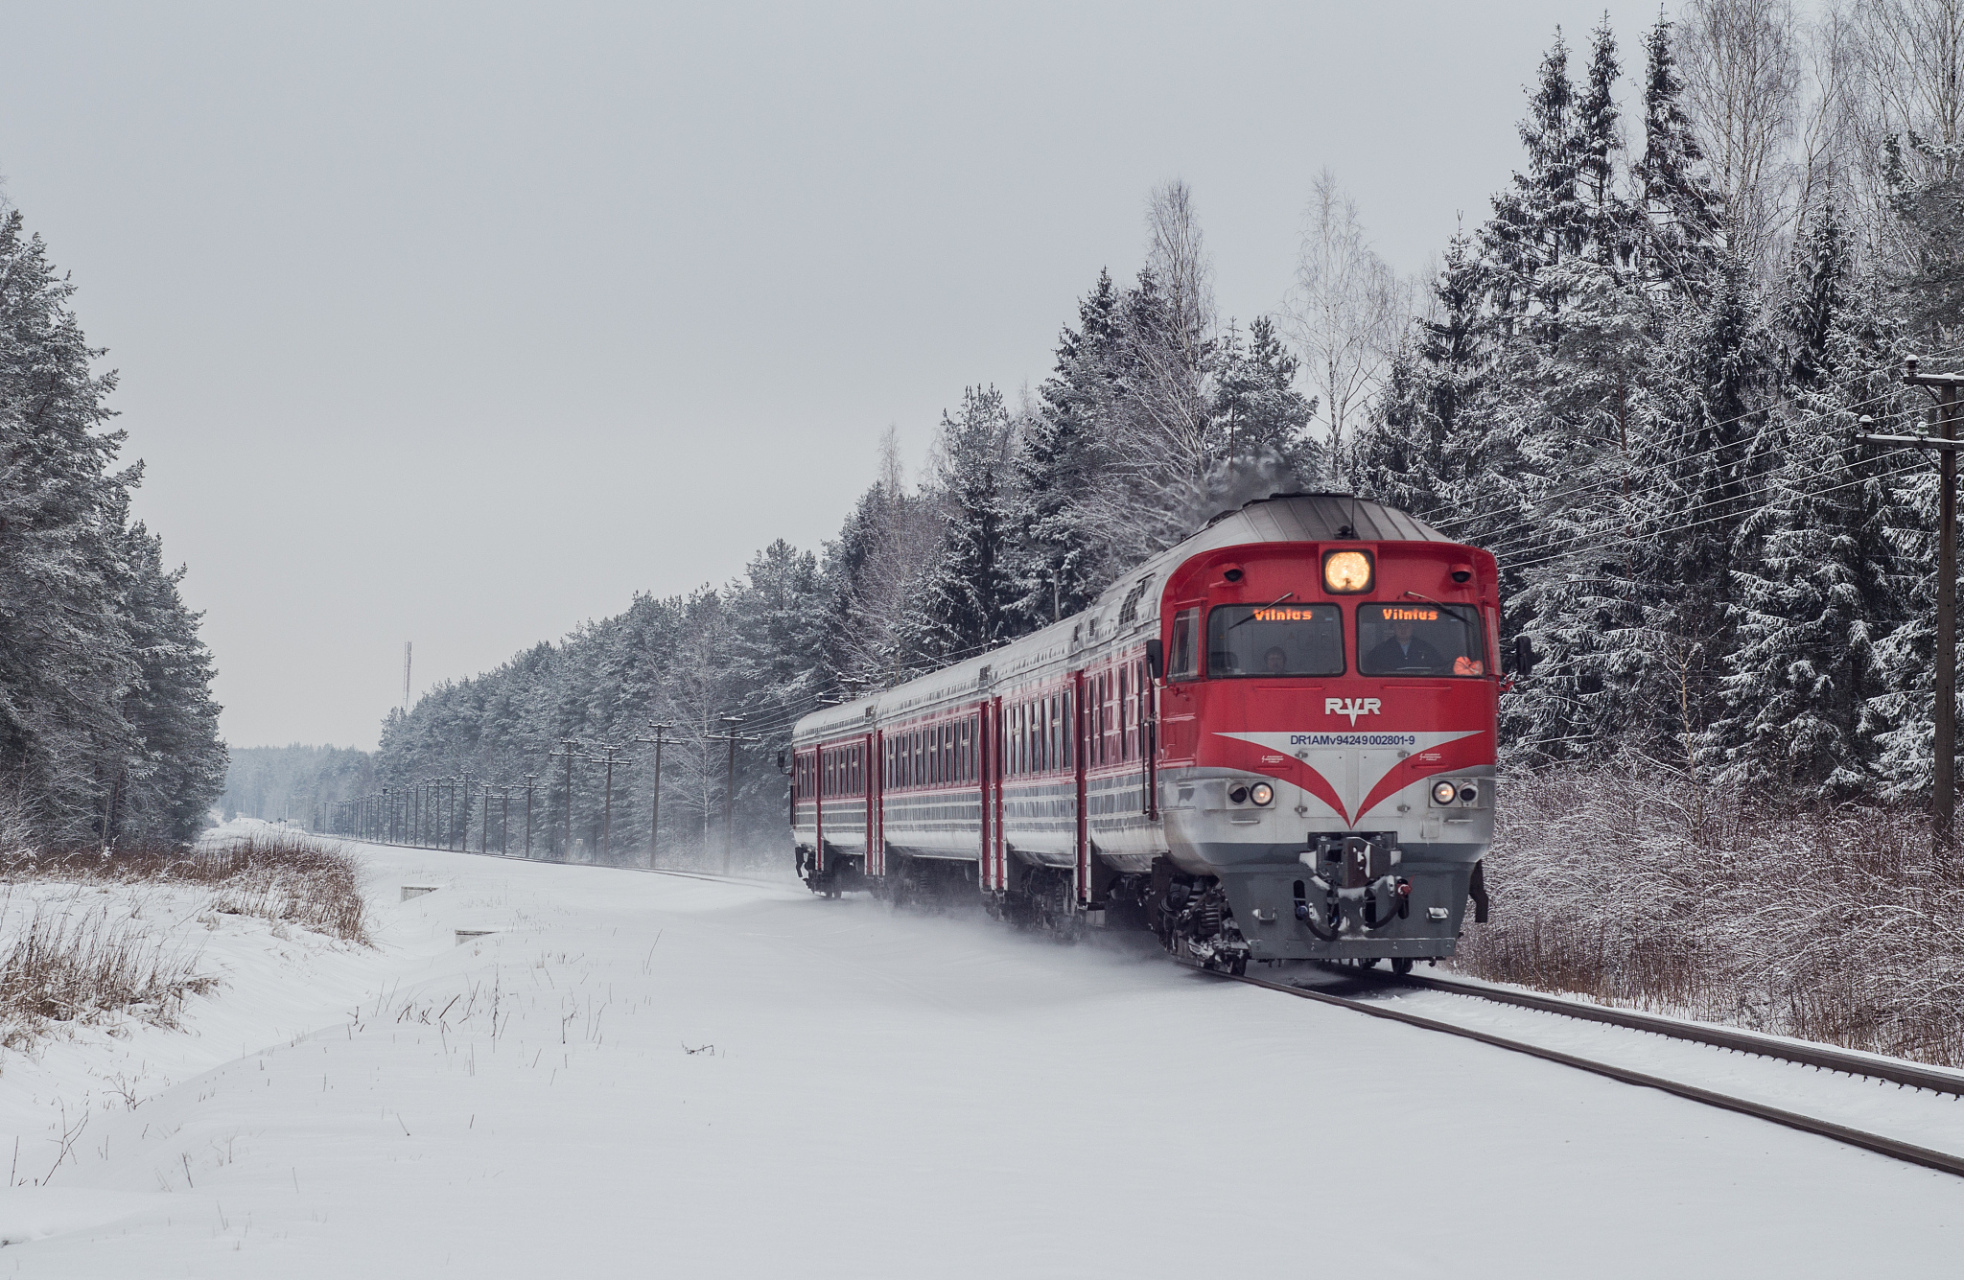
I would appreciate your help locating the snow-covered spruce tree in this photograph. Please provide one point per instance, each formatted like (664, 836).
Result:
(964, 595)
(1683, 212)
(1161, 429)
(1257, 408)
(79, 617)
(1426, 435)
(1607, 217)
(1538, 219)
(1703, 469)
(1819, 580)
(1060, 458)
(1920, 273)
(179, 766)
(869, 573)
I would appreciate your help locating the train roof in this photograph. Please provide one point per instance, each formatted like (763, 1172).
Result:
(1115, 617)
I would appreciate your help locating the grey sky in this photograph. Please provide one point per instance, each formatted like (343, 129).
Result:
(463, 323)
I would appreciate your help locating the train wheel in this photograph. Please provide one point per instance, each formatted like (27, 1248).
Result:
(1401, 965)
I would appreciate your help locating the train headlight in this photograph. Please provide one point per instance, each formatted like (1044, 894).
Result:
(1262, 793)
(1347, 572)
(1444, 792)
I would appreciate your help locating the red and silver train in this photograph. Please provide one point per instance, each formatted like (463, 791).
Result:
(1274, 741)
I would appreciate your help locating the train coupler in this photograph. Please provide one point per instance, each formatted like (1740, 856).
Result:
(1352, 909)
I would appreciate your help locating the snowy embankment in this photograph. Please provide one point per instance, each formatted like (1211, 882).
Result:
(635, 1074)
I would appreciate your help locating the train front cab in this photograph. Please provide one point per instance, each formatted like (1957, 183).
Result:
(1327, 748)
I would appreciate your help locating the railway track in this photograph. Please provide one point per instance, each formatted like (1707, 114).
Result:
(1818, 1056)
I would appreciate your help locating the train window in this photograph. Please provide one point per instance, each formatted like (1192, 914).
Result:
(1124, 745)
(1275, 640)
(1184, 663)
(1022, 738)
(1419, 640)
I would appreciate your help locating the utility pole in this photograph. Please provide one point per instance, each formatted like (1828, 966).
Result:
(528, 815)
(405, 677)
(731, 736)
(660, 740)
(607, 805)
(483, 826)
(504, 825)
(1943, 388)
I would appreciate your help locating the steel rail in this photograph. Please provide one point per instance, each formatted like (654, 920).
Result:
(1792, 1120)
(1941, 1161)
(1822, 1057)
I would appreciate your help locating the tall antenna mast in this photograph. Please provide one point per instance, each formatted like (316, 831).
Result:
(405, 677)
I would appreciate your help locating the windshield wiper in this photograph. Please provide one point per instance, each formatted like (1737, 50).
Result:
(1270, 605)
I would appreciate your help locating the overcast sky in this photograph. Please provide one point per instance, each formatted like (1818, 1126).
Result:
(461, 324)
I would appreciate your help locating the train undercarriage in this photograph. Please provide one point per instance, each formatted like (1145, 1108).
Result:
(1351, 897)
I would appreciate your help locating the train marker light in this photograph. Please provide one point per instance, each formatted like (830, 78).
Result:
(1469, 793)
(1444, 792)
(1347, 572)
(1262, 793)
(1239, 795)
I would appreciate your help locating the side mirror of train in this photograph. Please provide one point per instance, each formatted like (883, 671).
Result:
(1155, 659)
(1524, 656)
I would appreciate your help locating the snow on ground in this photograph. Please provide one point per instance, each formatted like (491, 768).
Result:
(703, 1078)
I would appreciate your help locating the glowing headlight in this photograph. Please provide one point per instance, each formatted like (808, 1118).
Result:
(1444, 792)
(1261, 793)
(1347, 572)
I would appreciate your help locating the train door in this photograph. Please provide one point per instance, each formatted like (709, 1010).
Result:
(994, 873)
(876, 852)
(1148, 686)
(1073, 736)
(818, 809)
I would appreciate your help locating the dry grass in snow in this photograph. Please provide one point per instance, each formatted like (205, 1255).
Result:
(79, 946)
(1631, 886)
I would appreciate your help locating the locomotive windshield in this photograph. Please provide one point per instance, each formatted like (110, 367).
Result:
(1275, 640)
(1419, 639)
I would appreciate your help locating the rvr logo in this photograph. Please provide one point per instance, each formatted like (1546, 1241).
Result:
(1352, 707)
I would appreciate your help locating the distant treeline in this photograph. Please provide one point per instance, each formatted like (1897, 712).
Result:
(107, 726)
(296, 782)
(1636, 381)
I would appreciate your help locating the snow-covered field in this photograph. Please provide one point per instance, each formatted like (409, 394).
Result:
(653, 1075)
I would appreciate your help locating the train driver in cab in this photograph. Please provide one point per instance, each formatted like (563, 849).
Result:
(1403, 650)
